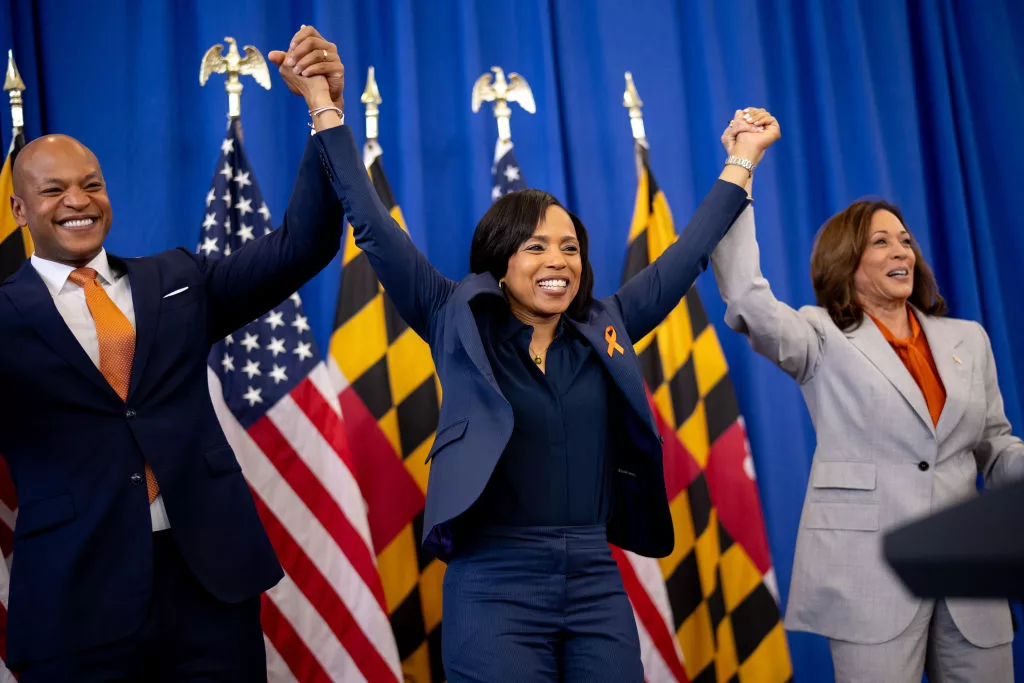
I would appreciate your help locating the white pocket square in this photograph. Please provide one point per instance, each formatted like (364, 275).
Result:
(177, 291)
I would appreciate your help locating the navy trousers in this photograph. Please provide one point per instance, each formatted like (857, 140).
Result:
(528, 604)
(188, 635)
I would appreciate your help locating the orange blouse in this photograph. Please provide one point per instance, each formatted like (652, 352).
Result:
(917, 356)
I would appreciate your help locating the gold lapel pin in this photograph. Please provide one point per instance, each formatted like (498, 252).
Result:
(956, 359)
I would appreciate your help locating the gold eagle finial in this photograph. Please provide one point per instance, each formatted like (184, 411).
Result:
(234, 65)
(501, 92)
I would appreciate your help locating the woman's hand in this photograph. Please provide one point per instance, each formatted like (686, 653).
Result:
(312, 68)
(750, 133)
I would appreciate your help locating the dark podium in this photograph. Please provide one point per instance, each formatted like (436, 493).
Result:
(975, 549)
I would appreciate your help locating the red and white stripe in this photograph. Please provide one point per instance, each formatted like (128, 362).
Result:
(327, 619)
(659, 650)
(8, 514)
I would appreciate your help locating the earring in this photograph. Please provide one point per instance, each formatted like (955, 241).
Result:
(501, 283)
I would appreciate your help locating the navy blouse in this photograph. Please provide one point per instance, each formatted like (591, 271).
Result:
(555, 470)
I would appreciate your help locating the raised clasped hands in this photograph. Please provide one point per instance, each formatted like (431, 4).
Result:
(312, 68)
(750, 133)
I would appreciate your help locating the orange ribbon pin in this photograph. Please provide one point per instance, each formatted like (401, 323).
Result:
(613, 346)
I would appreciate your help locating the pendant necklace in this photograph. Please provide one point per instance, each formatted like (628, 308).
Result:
(536, 356)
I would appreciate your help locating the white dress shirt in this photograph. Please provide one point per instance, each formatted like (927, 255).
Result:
(69, 299)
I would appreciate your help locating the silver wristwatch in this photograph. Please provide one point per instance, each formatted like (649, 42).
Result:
(740, 161)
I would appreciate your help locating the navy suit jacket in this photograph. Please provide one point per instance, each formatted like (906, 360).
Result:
(82, 572)
(476, 420)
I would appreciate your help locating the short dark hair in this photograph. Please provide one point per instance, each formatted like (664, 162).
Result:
(836, 257)
(511, 221)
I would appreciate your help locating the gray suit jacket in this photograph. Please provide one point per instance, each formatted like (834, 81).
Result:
(879, 461)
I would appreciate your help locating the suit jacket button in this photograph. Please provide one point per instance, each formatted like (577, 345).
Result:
(129, 413)
(923, 466)
(136, 478)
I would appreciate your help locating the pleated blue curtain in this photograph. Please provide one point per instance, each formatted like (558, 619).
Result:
(913, 101)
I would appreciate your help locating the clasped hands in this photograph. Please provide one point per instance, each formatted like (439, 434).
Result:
(312, 68)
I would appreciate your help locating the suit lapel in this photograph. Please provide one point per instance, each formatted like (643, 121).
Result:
(144, 281)
(622, 366)
(473, 286)
(869, 340)
(30, 296)
(954, 366)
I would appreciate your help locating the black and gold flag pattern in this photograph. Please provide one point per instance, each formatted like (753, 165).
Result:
(15, 241)
(391, 408)
(719, 578)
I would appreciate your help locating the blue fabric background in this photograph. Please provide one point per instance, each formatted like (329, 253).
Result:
(911, 100)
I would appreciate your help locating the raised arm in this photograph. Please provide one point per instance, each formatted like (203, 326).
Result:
(416, 288)
(791, 339)
(266, 271)
(999, 454)
(651, 294)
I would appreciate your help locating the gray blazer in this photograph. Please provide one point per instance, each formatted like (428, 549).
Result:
(878, 461)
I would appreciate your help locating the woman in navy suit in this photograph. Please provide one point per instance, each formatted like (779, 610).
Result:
(546, 448)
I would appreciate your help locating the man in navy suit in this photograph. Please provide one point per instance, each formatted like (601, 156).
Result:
(139, 553)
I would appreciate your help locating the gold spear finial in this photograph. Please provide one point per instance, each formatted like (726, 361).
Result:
(501, 92)
(371, 98)
(235, 65)
(14, 86)
(631, 100)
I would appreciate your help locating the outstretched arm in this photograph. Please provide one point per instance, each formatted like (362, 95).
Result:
(792, 340)
(246, 284)
(416, 288)
(651, 295)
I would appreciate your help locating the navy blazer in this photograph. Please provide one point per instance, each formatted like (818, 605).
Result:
(476, 420)
(82, 573)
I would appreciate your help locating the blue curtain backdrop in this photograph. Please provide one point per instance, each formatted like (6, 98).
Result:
(914, 101)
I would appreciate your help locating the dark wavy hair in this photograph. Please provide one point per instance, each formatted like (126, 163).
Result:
(511, 221)
(836, 257)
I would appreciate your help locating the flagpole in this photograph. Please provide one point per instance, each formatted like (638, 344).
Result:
(14, 86)
(631, 101)
(371, 98)
(234, 65)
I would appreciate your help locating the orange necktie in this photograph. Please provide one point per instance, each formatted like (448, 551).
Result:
(117, 344)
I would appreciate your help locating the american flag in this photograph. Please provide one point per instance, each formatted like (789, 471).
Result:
(8, 513)
(505, 171)
(327, 619)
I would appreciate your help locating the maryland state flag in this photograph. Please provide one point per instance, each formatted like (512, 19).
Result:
(15, 241)
(15, 248)
(390, 398)
(719, 582)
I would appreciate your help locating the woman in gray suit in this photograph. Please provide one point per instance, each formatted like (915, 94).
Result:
(907, 411)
